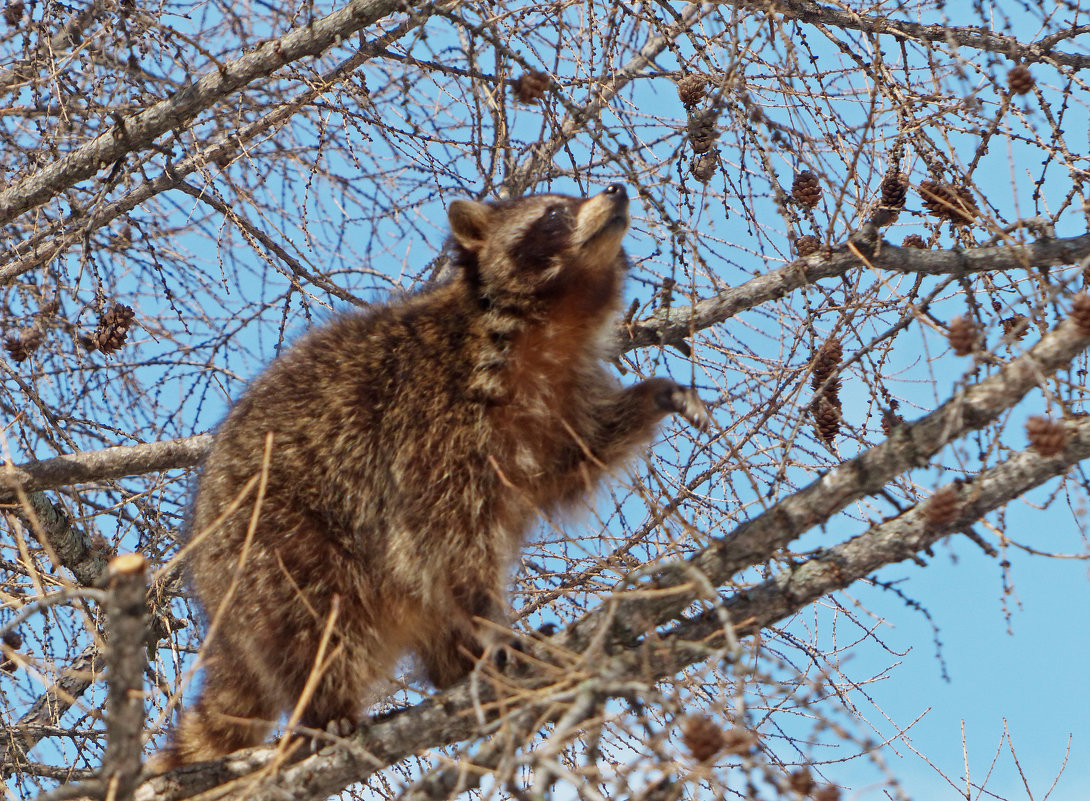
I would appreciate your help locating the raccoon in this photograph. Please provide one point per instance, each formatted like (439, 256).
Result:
(407, 451)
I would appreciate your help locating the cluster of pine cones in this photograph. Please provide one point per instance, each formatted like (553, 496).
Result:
(109, 335)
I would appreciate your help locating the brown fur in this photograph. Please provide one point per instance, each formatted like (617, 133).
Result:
(412, 448)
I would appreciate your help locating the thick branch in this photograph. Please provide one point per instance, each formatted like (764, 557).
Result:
(972, 37)
(116, 462)
(673, 325)
(48, 710)
(141, 129)
(909, 446)
(887, 543)
(126, 634)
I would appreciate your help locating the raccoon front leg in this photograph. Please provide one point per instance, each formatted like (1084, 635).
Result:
(630, 420)
(475, 622)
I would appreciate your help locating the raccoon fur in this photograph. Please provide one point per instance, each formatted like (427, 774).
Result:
(410, 448)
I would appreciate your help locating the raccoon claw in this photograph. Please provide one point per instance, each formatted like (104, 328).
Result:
(340, 727)
(336, 729)
(681, 400)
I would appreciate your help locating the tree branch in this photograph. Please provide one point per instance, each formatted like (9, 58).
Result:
(140, 130)
(116, 462)
(673, 325)
(51, 241)
(126, 634)
(975, 38)
(909, 446)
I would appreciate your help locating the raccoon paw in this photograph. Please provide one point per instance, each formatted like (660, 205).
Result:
(681, 400)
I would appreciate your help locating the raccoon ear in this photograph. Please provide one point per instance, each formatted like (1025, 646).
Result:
(469, 223)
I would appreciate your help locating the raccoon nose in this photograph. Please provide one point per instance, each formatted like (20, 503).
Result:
(617, 190)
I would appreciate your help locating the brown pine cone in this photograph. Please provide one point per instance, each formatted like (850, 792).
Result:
(704, 166)
(113, 328)
(827, 792)
(739, 741)
(1046, 437)
(692, 89)
(946, 202)
(14, 641)
(807, 244)
(702, 737)
(894, 190)
(914, 241)
(826, 360)
(942, 507)
(827, 417)
(1020, 80)
(703, 130)
(20, 346)
(13, 12)
(532, 85)
(801, 781)
(962, 334)
(806, 189)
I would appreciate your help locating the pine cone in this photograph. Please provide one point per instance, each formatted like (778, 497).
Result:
(801, 781)
(1020, 80)
(914, 241)
(949, 203)
(962, 335)
(20, 346)
(890, 421)
(1016, 327)
(827, 792)
(14, 641)
(13, 12)
(739, 741)
(807, 244)
(894, 190)
(827, 417)
(942, 507)
(704, 166)
(1080, 313)
(826, 360)
(692, 89)
(702, 737)
(532, 85)
(113, 327)
(1046, 437)
(703, 130)
(806, 189)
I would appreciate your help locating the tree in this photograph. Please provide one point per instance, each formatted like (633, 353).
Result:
(859, 231)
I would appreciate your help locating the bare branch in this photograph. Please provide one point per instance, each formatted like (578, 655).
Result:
(141, 129)
(976, 38)
(116, 462)
(126, 635)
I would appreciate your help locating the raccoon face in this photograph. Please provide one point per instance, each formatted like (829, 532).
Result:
(542, 245)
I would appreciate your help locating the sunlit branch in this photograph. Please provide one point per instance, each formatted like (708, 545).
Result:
(673, 325)
(138, 131)
(972, 37)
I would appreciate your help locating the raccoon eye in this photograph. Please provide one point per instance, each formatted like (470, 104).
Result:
(548, 235)
(557, 215)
